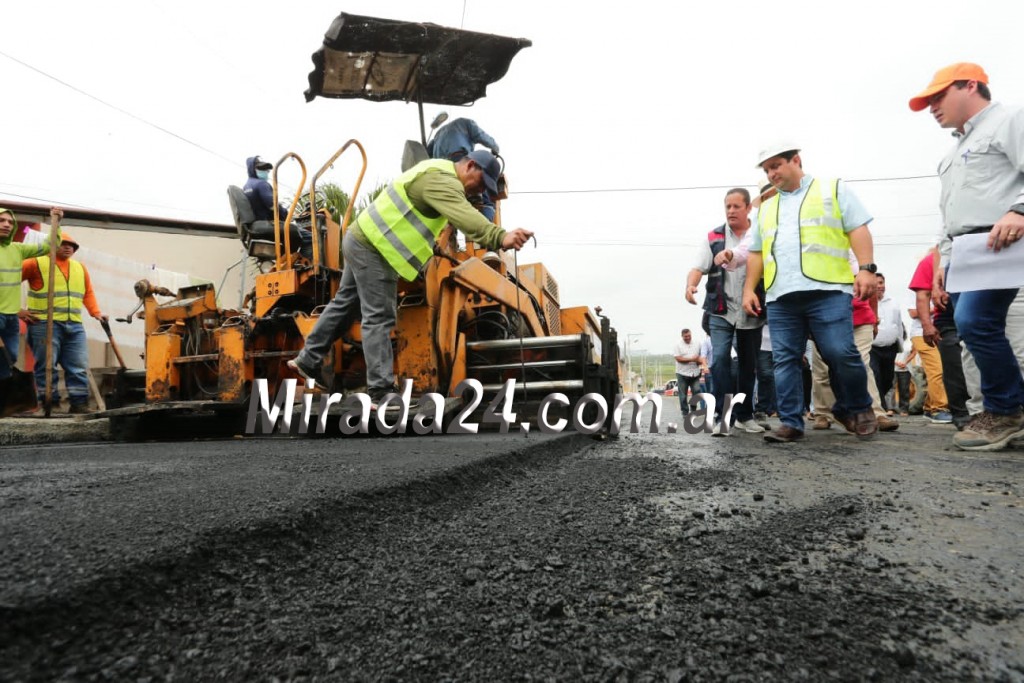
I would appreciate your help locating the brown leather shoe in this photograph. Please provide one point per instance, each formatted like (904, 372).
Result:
(866, 424)
(887, 424)
(822, 422)
(849, 422)
(784, 434)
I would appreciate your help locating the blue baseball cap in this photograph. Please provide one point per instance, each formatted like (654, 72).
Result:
(491, 167)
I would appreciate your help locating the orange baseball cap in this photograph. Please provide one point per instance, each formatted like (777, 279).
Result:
(961, 71)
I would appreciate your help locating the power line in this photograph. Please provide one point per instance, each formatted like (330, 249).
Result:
(916, 240)
(685, 188)
(118, 109)
(44, 200)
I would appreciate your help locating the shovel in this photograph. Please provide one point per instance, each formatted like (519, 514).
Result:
(17, 392)
(129, 385)
(113, 344)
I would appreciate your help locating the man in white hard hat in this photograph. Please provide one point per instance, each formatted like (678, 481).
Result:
(801, 246)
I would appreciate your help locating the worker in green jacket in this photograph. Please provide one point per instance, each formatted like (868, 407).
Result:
(394, 237)
(11, 255)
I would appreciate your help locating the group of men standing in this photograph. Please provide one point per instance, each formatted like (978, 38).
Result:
(806, 268)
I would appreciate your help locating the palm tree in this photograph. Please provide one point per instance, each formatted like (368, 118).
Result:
(336, 200)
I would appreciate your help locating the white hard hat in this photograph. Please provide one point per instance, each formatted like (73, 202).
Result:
(775, 149)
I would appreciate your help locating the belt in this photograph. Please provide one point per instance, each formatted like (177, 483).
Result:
(977, 231)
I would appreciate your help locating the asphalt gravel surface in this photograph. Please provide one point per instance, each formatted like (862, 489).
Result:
(650, 557)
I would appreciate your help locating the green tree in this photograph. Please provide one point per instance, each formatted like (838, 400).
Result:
(336, 200)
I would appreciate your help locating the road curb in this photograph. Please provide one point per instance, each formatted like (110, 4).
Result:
(32, 431)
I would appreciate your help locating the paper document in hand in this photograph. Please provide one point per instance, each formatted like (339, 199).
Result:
(973, 266)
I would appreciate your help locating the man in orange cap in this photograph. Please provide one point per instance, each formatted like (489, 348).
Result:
(982, 192)
(72, 291)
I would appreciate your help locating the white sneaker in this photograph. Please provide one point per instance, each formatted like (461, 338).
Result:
(717, 431)
(749, 426)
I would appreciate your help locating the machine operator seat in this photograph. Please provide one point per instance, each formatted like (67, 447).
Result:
(256, 235)
(413, 154)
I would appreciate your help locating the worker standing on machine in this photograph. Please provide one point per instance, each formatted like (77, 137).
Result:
(394, 237)
(455, 140)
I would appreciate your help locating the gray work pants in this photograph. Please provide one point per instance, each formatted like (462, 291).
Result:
(369, 290)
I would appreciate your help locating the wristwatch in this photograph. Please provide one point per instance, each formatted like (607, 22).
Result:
(1018, 208)
(870, 267)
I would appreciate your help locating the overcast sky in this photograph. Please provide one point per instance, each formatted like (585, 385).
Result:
(607, 122)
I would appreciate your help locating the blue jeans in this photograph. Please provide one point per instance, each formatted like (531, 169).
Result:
(724, 379)
(981, 321)
(368, 290)
(69, 352)
(9, 332)
(827, 317)
(306, 243)
(684, 384)
(765, 402)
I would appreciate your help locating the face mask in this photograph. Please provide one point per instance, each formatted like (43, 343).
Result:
(263, 174)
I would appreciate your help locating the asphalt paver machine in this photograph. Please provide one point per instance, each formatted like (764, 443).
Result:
(470, 313)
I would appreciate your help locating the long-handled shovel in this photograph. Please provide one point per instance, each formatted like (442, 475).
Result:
(17, 392)
(50, 294)
(113, 344)
(129, 385)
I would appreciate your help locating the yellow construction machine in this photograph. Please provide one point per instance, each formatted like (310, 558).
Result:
(471, 314)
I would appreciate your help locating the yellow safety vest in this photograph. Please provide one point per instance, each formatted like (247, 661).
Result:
(403, 235)
(824, 245)
(68, 292)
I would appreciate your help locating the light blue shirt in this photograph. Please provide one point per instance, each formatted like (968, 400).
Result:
(983, 175)
(789, 277)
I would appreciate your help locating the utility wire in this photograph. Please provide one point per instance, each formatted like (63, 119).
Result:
(44, 200)
(703, 187)
(118, 109)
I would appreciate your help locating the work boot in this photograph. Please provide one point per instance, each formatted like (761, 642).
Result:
(784, 434)
(306, 372)
(378, 394)
(988, 432)
(822, 422)
(887, 424)
(865, 424)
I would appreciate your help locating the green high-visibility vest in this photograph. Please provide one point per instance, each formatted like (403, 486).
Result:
(824, 245)
(403, 235)
(68, 292)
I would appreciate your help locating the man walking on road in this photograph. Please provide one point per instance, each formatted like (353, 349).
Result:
(888, 341)
(982, 192)
(802, 246)
(727, 320)
(687, 354)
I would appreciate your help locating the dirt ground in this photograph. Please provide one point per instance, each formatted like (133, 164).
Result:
(651, 557)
